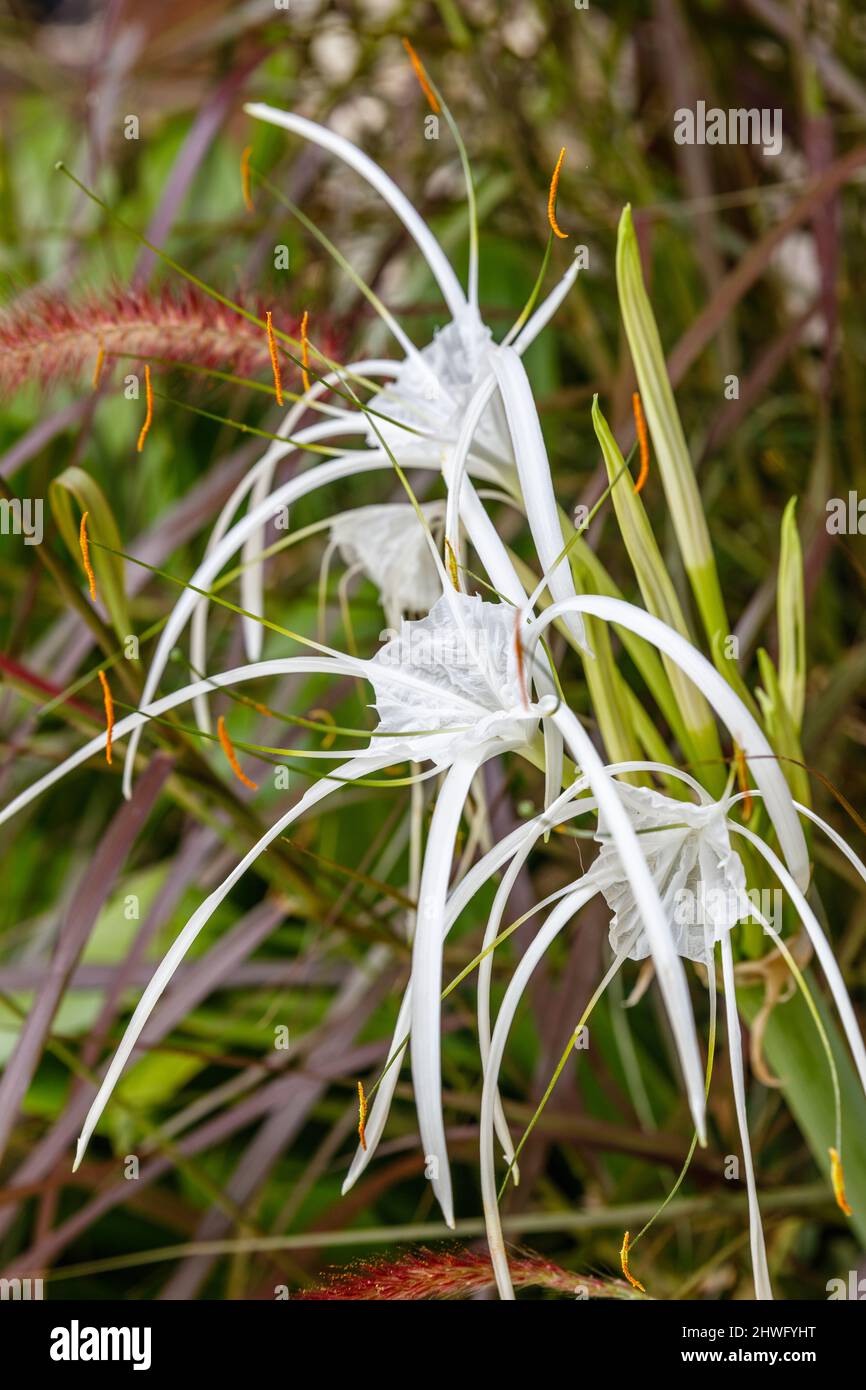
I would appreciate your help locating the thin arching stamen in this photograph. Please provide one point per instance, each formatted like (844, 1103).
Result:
(551, 199)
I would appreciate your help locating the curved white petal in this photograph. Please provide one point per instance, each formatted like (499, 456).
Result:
(727, 704)
(669, 967)
(519, 980)
(258, 483)
(185, 938)
(384, 186)
(533, 470)
(763, 1288)
(823, 949)
(336, 664)
(564, 808)
(425, 1030)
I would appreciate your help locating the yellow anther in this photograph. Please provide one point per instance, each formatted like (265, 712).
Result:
(643, 441)
(362, 1116)
(84, 545)
(838, 1178)
(148, 391)
(275, 361)
(109, 715)
(623, 1259)
(551, 199)
(418, 69)
(232, 756)
(100, 362)
(245, 178)
(452, 563)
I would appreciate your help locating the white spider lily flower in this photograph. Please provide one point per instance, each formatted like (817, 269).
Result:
(702, 883)
(388, 544)
(459, 379)
(689, 854)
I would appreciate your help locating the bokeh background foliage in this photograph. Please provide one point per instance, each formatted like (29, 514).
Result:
(238, 1139)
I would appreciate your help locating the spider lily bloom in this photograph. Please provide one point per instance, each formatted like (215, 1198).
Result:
(460, 402)
(452, 690)
(702, 883)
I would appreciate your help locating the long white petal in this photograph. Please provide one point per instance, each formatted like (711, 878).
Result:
(669, 967)
(384, 186)
(727, 704)
(427, 977)
(336, 664)
(564, 808)
(823, 949)
(185, 938)
(519, 980)
(533, 470)
(841, 844)
(763, 1289)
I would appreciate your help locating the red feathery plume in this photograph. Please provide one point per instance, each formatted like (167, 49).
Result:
(49, 339)
(455, 1272)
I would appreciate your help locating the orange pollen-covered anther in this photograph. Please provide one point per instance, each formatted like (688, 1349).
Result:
(109, 715)
(551, 199)
(362, 1116)
(245, 178)
(148, 392)
(275, 361)
(228, 749)
(838, 1179)
(100, 363)
(418, 69)
(623, 1259)
(642, 439)
(84, 545)
(743, 779)
(305, 352)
